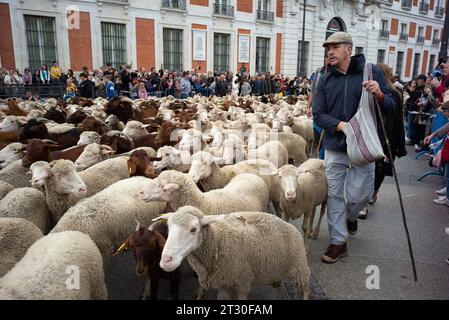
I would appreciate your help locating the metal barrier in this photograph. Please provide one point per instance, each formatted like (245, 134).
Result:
(41, 91)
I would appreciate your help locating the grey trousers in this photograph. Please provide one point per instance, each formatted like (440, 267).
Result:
(350, 189)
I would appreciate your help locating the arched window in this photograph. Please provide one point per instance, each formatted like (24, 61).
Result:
(335, 25)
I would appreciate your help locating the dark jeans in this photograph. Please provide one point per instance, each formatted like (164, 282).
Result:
(415, 132)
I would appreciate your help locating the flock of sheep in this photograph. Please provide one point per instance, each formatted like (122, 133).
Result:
(76, 178)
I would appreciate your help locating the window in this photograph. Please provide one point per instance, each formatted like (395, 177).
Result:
(306, 56)
(380, 56)
(431, 63)
(172, 49)
(263, 5)
(416, 65)
(420, 31)
(113, 37)
(41, 41)
(399, 63)
(436, 34)
(358, 50)
(221, 52)
(403, 28)
(262, 54)
(384, 25)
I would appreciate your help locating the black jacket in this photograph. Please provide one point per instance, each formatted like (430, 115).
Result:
(337, 99)
(221, 88)
(86, 89)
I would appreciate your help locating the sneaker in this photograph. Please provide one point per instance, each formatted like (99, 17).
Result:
(407, 140)
(374, 198)
(334, 253)
(417, 148)
(364, 213)
(352, 227)
(442, 200)
(442, 192)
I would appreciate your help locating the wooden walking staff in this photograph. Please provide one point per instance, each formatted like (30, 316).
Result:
(390, 156)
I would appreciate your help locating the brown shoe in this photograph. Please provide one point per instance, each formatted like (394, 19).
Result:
(334, 253)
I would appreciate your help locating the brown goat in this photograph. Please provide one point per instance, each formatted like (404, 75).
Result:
(117, 143)
(38, 150)
(92, 124)
(7, 137)
(140, 164)
(147, 246)
(14, 109)
(77, 117)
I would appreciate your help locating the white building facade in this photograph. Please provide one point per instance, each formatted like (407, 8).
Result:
(217, 35)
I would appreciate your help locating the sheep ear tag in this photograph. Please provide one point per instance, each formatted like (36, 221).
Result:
(122, 248)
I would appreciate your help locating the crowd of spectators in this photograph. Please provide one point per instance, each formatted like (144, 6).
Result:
(109, 82)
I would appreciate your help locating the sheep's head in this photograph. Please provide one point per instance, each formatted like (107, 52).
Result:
(38, 150)
(92, 154)
(143, 242)
(11, 123)
(12, 152)
(170, 157)
(135, 129)
(39, 172)
(288, 176)
(184, 235)
(164, 188)
(201, 167)
(87, 137)
(62, 174)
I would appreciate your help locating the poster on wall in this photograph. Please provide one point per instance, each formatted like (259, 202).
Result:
(243, 49)
(199, 45)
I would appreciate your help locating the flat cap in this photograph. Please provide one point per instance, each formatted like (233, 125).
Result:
(338, 37)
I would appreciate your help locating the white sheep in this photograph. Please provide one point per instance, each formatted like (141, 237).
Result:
(5, 188)
(11, 123)
(205, 170)
(12, 152)
(114, 123)
(93, 154)
(64, 187)
(302, 190)
(173, 159)
(239, 250)
(193, 141)
(245, 192)
(39, 171)
(29, 204)
(16, 236)
(108, 217)
(47, 270)
(273, 151)
(87, 137)
(15, 174)
(135, 129)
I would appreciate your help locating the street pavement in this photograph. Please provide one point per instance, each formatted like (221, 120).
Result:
(380, 242)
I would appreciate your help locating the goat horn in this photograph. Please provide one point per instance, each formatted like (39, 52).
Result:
(138, 225)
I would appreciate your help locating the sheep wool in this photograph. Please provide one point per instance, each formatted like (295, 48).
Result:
(108, 217)
(15, 174)
(44, 272)
(16, 236)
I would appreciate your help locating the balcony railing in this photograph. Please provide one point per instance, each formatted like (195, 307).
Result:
(265, 16)
(406, 4)
(420, 39)
(384, 34)
(223, 10)
(174, 4)
(436, 42)
(403, 37)
(439, 12)
(423, 7)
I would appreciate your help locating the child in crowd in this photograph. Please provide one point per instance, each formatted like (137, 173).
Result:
(142, 93)
(110, 87)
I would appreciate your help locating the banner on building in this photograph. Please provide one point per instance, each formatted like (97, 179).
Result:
(244, 49)
(199, 45)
